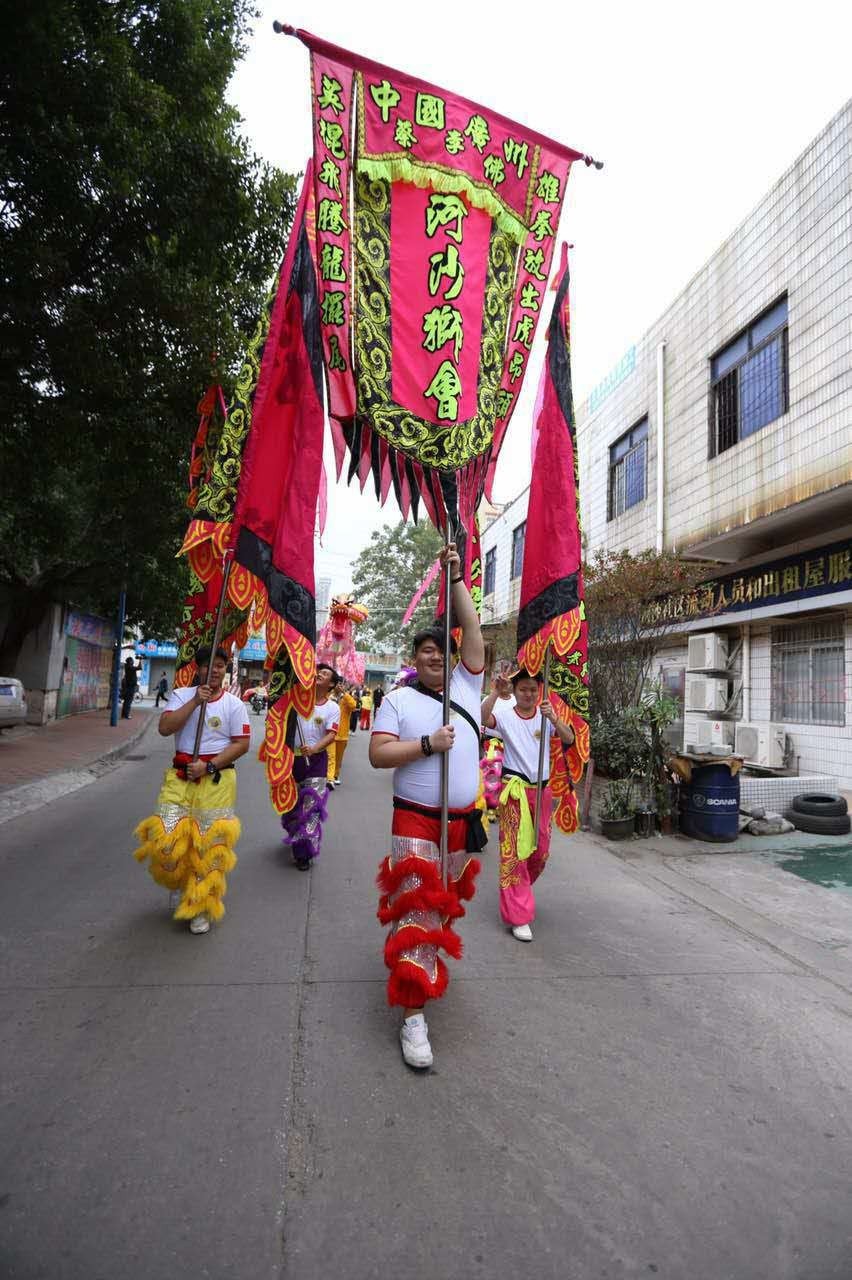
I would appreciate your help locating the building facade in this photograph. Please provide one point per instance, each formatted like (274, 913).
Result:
(65, 664)
(725, 435)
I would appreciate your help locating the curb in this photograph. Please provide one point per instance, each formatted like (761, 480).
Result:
(18, 801)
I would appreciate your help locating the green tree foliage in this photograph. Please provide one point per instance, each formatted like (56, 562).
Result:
(385, 576)
(626, 715)
(138, 234)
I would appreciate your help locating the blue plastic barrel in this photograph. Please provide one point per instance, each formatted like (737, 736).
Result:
(710, 804)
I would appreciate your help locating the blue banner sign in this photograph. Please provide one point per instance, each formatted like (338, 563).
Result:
(156, 649)
(803, 577)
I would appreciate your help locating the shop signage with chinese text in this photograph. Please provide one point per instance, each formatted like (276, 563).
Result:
(803, 577)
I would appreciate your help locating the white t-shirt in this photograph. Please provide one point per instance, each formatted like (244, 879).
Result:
(226, 718)
(407, 714)
(325, 717)
(521, 739)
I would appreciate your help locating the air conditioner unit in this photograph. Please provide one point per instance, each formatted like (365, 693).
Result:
(707, 652)
(761, 744)
(704, 694)
(711, 733)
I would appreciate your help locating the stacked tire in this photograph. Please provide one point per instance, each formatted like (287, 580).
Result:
(820, 814)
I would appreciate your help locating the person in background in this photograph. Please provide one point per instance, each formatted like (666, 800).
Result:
(162, 690)
(378, 695)
(129, 685)
(521, 723)
(337, 750)
(366, 708)
(409, 736)
(353, 719)
(314, 735)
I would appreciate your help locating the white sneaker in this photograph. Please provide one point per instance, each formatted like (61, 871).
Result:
(174, 899)
(414, 1038)
(199, 924)
(522, 932)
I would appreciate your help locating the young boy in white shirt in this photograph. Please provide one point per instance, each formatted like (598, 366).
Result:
(520, 722)
(314, 735)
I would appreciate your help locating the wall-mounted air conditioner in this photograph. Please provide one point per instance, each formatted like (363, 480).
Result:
(713, 734)
(707, 651)
(706, 694)
(761, 744)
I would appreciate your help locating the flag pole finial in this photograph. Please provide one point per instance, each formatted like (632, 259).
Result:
(283, 28)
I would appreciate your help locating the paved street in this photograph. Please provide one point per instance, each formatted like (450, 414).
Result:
(658, 1086)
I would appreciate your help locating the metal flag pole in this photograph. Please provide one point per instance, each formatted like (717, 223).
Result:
(541, 746)
(445, 755)
(217, 635)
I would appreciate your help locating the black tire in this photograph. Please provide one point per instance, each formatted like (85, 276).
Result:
(819, 805)
(836, 826)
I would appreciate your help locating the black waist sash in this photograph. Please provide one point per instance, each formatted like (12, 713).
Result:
(475, 837)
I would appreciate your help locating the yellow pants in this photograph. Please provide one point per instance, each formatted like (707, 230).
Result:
(189, 841)
(335, 758)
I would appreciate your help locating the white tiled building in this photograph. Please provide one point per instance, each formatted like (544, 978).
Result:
(726, 434)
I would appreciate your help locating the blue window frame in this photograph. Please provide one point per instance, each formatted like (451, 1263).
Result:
(490, 578)
(627, 469)
(518, 549)
(748, 380)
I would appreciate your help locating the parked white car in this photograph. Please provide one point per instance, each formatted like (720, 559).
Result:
(13, 702)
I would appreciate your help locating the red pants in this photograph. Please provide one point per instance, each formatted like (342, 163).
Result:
(517, 900)
(419, 908)
(364, 718)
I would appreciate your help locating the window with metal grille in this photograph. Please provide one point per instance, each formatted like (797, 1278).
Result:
(748, 380)
(808, 673)
(627, 467)
(490, 578)
(518, 549)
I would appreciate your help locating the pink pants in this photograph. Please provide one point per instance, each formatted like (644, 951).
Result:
(517, 900)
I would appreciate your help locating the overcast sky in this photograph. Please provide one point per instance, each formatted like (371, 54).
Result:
(696, 111)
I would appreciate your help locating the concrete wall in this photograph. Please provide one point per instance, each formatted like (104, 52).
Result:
(797, 241)
(39, 666)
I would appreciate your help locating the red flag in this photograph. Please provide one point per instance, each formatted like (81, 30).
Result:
(264, 488)
(436, 221)
(198, 623)
(552, 612)
(211, 417)
(273, 526)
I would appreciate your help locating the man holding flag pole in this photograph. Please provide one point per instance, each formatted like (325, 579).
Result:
(411, 737)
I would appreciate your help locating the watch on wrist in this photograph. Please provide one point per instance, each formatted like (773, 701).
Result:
(211, 768)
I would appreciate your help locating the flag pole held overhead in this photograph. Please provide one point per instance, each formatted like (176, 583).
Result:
(545, 698)
(447, 624)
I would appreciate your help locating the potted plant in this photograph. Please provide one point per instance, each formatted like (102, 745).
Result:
(663, 798)
(617, 810)
(656, 710)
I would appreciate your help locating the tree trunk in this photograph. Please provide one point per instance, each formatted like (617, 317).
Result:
(27, 608)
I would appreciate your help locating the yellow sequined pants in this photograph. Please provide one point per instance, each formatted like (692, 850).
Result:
(189, 841)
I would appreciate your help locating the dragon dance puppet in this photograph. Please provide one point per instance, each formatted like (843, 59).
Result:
(336, 641)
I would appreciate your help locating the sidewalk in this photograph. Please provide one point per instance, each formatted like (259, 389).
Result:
(757, 885)
(40, 762)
